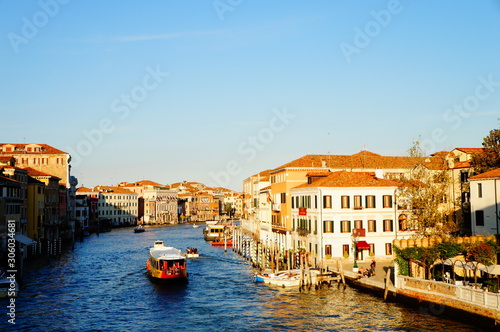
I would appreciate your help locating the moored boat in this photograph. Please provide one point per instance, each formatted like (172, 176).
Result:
(212, 232)
(220, 243)
(288, 278)
(166, 263)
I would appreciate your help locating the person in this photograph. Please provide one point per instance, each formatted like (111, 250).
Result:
(372, 267)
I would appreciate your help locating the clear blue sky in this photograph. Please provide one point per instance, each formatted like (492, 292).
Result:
(215, 91)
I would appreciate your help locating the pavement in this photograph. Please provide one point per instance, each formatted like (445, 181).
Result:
(376, 281)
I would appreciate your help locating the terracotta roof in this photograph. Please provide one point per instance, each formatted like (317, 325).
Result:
(319, 173)
(140, 184)
(471, 150)
(46, 149)
(351, 179)
(4, 178)
(462, 164)
(83, 189)
(487, 175)
(363, 159)
(36, 173)
(111, 190)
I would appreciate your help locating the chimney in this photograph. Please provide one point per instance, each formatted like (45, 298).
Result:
(379, 173)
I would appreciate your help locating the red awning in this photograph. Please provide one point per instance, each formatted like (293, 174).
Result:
(362, 245)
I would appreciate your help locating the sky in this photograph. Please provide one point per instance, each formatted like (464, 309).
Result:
(216, 91)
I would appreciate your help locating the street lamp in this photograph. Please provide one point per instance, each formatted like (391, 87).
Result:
(354, 238)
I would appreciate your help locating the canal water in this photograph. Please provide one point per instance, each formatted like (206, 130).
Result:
(102, 286)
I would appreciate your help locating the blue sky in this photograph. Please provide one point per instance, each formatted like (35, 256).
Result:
(215, 91)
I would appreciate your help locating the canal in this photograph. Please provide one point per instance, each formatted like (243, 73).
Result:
(102, 286)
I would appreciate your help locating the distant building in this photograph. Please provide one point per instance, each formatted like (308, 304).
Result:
(116, 204)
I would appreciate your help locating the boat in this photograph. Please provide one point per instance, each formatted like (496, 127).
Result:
(212, 232)
(166, 264)
(139, 229)
(288, 278)
(8, 286)
(195, 226)
(220, 243)
(192, 252)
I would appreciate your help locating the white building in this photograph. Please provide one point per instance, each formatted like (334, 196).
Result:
(484, 200)
(117, 204)
(328, 209)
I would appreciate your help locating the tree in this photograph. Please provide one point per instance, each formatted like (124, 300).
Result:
(490, 158)
(425, 194)
(480, 253)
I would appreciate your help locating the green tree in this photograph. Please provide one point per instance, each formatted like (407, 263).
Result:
(424, 193)
(490, 158)
(447, 250)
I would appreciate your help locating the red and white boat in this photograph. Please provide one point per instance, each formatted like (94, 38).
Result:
(220, 243)
(166, 263)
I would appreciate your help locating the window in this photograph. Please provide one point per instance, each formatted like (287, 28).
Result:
(345, 202)
(283, 198)
(327, 202)
(315, 201)
(465, 197)
(370, 202)
(293, 202)
(388, 249)
(328, 249)
(464, 176)
(479, 218)
(403, 223)
(345, 226)
(372, 226)
(387, 201)
(357, 202)
(345, 250)
(358, 224)
(328, 226)
(388, 227)
(372, 248)
(479, 190)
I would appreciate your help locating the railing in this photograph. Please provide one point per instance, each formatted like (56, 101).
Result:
(462, 293)
(303, 231)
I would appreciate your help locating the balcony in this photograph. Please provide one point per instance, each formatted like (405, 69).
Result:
(276, 207)
(303, 231)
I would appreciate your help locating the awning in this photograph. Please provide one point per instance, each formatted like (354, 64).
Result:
(362, 245)
(23, 239)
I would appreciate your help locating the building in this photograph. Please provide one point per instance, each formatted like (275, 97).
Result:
(117, 205)
(41, 157)
(160, 205)
(485, 200)
(331, 207)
